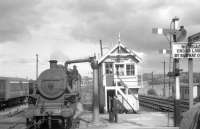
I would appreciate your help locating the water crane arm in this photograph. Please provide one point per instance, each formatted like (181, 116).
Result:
(90, 59)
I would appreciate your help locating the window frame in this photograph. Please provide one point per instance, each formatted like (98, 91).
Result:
(131, 70)
(119, 73)
(109, 68)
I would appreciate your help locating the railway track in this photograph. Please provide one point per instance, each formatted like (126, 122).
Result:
(16, 121)
(13, 111)
(13, 118)
(161, 103)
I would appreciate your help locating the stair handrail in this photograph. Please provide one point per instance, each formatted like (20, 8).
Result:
(126, 100)
(125, 86)
(127, 103)
(118, 89)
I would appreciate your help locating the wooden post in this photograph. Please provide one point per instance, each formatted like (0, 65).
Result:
(36, 66)
(190, 76)
(164, 88)
(152, 79)
(191, 40)
(190, 72)
(101, 48)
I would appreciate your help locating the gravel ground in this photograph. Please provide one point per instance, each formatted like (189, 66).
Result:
(142, 120)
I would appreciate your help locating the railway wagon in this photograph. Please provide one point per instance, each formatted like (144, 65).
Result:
(13, 91)
(57, 99)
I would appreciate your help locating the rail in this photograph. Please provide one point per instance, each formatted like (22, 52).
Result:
(161, 103)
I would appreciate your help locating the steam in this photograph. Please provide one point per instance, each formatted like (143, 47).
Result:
(59, 56)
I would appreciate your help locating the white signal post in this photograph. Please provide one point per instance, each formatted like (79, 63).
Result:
(177, 79)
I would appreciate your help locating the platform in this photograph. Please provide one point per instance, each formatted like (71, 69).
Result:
(142, 120)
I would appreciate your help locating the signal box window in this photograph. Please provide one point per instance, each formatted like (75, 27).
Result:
(119, 69)
(109, 68)
(130, 69)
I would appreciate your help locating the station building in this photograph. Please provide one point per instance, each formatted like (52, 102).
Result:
(118, 75)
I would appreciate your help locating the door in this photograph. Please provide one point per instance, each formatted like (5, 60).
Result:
(110, 94)
(109, 74)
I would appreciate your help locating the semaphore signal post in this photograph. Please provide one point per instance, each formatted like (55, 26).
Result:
(180, 50)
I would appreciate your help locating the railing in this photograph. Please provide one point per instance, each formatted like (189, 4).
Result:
(128, 103)
(125, 86)
(125, 98)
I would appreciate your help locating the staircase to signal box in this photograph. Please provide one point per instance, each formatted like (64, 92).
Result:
(128, 101)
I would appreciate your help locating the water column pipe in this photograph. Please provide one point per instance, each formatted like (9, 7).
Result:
(95, 67)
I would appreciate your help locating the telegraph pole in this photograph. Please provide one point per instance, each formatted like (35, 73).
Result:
(101, 48)
(164, 88)
(152, 79)
(36, 66)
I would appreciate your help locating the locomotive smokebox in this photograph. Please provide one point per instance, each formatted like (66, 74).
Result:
(53, 64)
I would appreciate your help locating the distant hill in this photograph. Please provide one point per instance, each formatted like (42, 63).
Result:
(159, 78)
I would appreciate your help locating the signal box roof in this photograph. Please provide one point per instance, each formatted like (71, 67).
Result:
(121, 51)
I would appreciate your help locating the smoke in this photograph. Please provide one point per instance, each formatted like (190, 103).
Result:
(59, 56)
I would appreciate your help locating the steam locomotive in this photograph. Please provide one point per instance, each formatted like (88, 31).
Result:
(57, 99)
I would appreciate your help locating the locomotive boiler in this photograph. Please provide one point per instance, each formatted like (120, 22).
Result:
(57, 99)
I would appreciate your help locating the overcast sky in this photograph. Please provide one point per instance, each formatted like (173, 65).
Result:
(71, 29)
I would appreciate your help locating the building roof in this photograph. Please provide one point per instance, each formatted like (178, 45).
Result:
(13, 79)
(120, 50)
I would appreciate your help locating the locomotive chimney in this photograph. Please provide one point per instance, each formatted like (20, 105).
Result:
(53, 64)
